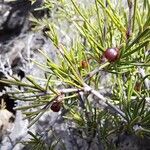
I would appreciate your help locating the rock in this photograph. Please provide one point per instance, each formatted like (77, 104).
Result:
(17, 134)
(6, 122)
(18, 45)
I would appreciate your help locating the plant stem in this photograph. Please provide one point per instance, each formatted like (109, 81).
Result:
(105, 23)
(87, 88)
(92, 73)
(129, 28)
(99, 20)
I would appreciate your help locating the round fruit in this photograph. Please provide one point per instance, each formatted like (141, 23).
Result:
(84, 64)
(111, 54)
(56, 106)
(137, 86)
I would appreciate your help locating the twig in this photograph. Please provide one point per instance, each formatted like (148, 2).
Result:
(92, 73)
(99, 20)
(64, 91)
(105, 24)
(129, 28)
(87, 88)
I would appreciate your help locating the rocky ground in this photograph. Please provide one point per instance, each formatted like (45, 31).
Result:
(18, 44)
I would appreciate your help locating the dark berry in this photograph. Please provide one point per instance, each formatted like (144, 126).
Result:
(56, 106)
(84, 64)
(137, 86)
(111, 54)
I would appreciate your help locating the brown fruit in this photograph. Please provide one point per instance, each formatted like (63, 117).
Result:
(56, 106)
(84, 64)
(111, 54)
(137, 86)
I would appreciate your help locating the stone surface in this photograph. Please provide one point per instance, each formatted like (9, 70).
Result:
(18, 45)
(6, 122)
